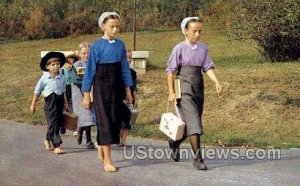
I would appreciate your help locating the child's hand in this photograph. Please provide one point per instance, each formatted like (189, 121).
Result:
(32, 108)
(66, 106)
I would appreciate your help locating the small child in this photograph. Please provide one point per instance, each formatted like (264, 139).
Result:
(126, 125)
(52, 85)
(85, 116)
(69, 73)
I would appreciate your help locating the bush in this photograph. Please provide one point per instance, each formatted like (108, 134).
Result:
(273, 24)
(33, 25)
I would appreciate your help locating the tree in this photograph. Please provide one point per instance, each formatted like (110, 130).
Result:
(273, 24)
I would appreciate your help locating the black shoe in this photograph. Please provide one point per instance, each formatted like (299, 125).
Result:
(90, 145)
(175, 151)
(79, 139)
(62, 130)
(199, 165)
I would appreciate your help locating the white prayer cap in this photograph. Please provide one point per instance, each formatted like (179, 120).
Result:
(105, 15)
(184, 22)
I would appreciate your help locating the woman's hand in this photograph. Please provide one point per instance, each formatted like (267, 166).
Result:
(86, 102)
(170, 81)
(212, 76)
(172, 98)
(219, 88)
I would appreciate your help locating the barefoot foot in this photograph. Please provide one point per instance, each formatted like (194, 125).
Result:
(47, 145)
(108, 167)
(58, 150)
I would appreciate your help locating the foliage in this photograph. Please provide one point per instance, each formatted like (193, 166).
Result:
(220, 12)
(273, 24)
(34, 19)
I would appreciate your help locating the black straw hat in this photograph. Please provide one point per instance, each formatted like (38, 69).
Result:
(49, 55)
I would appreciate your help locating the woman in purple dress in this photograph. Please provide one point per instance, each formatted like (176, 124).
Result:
(188, 60)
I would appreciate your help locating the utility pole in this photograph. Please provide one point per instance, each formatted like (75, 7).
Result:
(134, 25)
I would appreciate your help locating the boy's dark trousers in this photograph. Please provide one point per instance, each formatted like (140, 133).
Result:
(53, 109)
(87, 130)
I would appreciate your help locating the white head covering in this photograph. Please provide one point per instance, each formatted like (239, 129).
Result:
(184, 22)
(105, 15)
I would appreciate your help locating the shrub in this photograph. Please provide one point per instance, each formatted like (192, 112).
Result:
(273, 24)
(33, 25)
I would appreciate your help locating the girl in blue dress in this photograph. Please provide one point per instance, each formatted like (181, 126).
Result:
(107, 70)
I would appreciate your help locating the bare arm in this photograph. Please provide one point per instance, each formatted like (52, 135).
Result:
(33, 103)
(213, 77)
(170, 80)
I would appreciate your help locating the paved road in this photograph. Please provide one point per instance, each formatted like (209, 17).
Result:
(25, 162)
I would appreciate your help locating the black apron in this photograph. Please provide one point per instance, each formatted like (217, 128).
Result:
(108, 93)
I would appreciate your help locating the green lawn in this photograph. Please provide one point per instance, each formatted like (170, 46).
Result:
(259, 107)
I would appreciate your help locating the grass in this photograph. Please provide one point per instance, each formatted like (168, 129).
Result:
(259, 107)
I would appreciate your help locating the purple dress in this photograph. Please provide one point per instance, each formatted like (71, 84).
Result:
(188, 62)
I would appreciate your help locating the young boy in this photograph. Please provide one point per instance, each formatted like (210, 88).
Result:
(52, 85)
(69, 73)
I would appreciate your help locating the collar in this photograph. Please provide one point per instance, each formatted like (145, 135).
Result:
(193, 46)
(109, 41)
(48, 76)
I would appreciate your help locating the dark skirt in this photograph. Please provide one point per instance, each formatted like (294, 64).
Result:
(108, 92)
(190, 105)
(54, 105)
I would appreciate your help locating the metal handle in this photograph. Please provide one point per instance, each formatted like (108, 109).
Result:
(176, 110)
